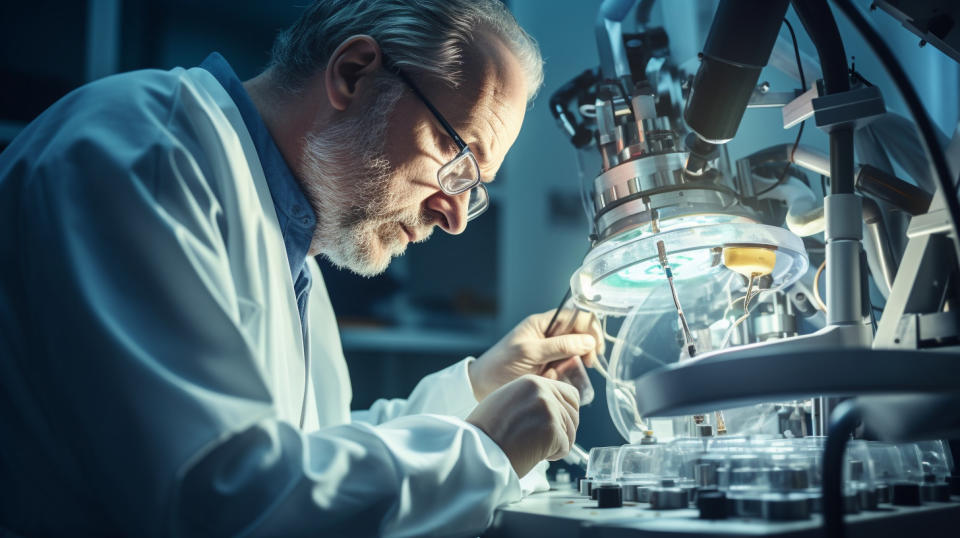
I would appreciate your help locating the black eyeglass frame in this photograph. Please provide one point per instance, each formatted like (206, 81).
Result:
(463, 148)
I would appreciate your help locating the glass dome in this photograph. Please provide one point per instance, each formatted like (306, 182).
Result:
(651, 337)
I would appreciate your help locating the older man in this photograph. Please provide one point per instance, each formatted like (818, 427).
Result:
(169, 360)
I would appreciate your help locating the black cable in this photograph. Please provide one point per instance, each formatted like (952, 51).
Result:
(783, 174)
(843, 421)
(796, 52)
(766, 170)
(927, 131)
(803, 83)
(566, 296)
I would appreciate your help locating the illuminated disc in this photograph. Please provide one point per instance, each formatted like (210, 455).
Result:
(624, 271)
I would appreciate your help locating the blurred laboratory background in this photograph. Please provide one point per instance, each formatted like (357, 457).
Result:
(452, 296)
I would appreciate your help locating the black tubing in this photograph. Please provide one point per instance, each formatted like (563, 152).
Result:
(841, 160)
(843, 421)
(817, 19)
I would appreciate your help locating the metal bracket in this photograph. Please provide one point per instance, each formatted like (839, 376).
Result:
(934, 222)
(851, 108)
(854, 108)
(762, 99)
(800, 108)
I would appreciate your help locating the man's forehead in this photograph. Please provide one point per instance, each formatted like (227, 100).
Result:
(492, 101)
(489, 122)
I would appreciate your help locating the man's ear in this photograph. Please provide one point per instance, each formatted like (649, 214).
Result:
(358, 56)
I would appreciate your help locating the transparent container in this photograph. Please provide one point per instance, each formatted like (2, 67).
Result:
(600, 464)
(638, 463)
(637, 470)
(651, 337)
(684, 455)
(937, 466)
(936, 460)
(896, 463)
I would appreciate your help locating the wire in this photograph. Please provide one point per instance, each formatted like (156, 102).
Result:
(783, 175)
(633, 347)
(746, 300)
(816, 287)
(796, 52)
(549, 332)
(622, 388)
(729, 333)
(796, 142)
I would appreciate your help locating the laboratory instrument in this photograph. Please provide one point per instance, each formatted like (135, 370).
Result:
(763, 308)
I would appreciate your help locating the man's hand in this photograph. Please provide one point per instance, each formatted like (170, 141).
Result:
(531, 418)
(526, 350)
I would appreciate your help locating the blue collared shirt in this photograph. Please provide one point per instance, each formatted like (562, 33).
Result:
(294, 214)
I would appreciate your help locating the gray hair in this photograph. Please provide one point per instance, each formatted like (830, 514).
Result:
(419, 36)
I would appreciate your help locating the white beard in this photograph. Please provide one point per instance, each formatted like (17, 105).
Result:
(347, 180)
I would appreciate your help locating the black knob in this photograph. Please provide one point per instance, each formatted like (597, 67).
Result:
(668, 498)
(712, 505)
(906, 494)
(785, 508)
(938, 492)
(609, 496)
(883, 493)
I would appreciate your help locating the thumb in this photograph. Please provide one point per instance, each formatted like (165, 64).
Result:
(563, 346)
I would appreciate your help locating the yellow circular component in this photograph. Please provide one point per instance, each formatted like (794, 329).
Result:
(750, 261)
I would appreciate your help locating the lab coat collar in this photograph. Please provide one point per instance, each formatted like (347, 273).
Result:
(294, 214)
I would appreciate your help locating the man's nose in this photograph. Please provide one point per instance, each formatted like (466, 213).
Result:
(453, 209)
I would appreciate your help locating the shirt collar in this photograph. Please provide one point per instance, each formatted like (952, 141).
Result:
(294, 214)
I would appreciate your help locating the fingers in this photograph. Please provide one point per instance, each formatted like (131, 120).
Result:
(541, 322)
(588, 324)
(571, 321)
(569, 401)
(589, 359)
(561, 347)
(569, 395)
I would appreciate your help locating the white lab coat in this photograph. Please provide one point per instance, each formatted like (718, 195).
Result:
(151, 357)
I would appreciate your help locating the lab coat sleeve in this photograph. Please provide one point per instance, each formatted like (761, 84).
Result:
(446, 392)
(156, 389)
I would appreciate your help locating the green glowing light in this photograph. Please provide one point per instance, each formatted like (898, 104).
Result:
(686, 265)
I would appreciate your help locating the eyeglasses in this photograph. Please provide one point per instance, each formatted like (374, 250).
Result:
(462, 173)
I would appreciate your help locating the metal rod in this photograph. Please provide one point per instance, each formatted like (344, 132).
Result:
(665, 263)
